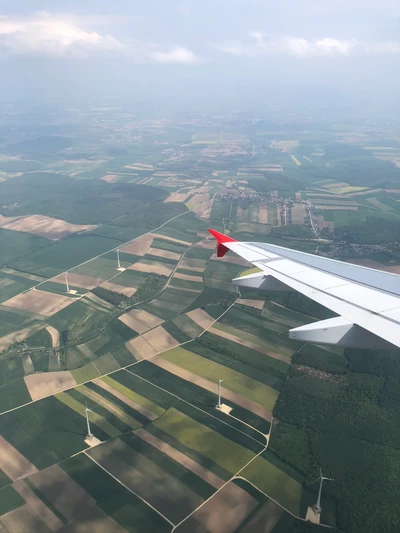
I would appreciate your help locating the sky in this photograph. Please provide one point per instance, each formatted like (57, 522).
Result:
(197, 52)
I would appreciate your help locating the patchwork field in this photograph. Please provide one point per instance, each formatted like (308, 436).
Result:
(50, 228)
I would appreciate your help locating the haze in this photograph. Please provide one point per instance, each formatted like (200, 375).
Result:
(241, 53)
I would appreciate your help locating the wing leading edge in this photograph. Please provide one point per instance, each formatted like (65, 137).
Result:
(366, 300)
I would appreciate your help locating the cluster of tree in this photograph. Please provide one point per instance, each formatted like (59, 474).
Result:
(294, 231)
(152, 285)
(373, 231)
(77, 201)
(349, 425)
(115, 298)
(148, 216)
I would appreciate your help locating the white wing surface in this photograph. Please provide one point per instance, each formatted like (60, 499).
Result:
(366, 300)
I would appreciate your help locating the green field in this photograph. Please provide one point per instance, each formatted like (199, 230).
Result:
(236, 382)
(9, 500)
(13, 395)
(170, 303)
(80, 318)
(11, 285)
(224, 452)
(275, 483)
(46, 431)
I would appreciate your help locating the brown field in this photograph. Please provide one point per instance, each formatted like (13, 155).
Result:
(110, 178)
(249, 344)
(198, 265)
(147, 318)
(140, 348)
(62, 491)
(164, 253)
(55, 336)
(50, 228)
(12, 463)
(262, 214)
(127, 291)
(202, 319)
(177, 197)
(298, 214)
(198, 291)
(188, 277)
(211, 387)
(265, 519)
(38, 302)
(130, 320)
(199, 199)
(179, 457)
(256, 304)
(77, 280)
(336, 207)
(145, 412)
(160, 339)
(223, 513)
(36, 504)
(204, 210)
(47, 383)
(27, 364)
(7, 220)
(158, 235)
(18, 336)
(139, 246)
(24, 520)
(161, 269)
(207, 244)
(193, 268)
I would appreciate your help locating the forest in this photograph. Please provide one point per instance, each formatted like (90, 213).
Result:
(345, 419)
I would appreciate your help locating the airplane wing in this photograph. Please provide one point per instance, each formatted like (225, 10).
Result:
(366, 300)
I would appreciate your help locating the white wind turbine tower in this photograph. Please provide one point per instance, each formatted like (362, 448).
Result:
(219, 392)
(317, 506)
(66, 281)
(119, 267)
(89, 435)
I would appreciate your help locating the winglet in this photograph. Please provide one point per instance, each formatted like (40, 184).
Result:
(221, 239)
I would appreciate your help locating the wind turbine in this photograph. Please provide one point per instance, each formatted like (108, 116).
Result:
(66, 281)
(89, 432)
(118, 261)
(321, 478)
(219, 392)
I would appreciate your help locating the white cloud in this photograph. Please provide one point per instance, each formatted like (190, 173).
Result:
(56, 35)
(176, 55)
(297, 46)
(65, 35)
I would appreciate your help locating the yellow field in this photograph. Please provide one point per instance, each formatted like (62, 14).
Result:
(344, 190)
(298, 163)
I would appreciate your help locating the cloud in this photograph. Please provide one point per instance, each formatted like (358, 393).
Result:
(176, 55)
(54, 35)
(260, 45)
(66, 35)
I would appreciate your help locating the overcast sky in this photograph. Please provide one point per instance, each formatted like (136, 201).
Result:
(199, 48)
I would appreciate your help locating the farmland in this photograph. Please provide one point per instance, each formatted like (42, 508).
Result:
(143, 344)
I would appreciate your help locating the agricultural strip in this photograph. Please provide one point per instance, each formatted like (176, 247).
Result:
(209, 370)
(181, 458)
(276, 483)
(13, 463)
(112, 498)
(225, 452)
